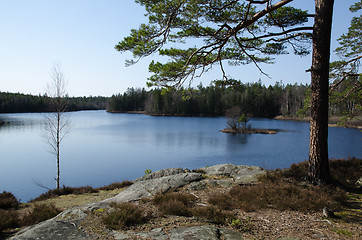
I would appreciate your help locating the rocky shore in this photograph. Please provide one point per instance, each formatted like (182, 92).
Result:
(333, 121)
(80, 222)
(68, 224)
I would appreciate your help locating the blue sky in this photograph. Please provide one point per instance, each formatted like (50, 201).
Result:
(81, 35)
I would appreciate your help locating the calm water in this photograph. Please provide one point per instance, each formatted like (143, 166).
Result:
(102, 148)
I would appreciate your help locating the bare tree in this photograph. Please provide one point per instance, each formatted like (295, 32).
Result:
(233, 114)
(57, 123)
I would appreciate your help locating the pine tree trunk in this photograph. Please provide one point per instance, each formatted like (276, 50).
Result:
(318, 142)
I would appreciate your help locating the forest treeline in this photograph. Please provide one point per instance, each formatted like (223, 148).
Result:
(255, 99)
(19, 103)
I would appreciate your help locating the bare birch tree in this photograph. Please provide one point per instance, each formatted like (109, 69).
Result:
(57, 123)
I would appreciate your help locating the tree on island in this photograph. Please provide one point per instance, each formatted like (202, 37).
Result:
(239, 32)
(57, 123)
(237, 120)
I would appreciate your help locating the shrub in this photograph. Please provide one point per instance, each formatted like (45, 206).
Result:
(221, 201)
(116, 185)
(213, 214)
(244, 225)
(287, 196)
(346, 171)
(65, 191)
(298, 172)
(174, 203)
(39, 213)
(8, 201)
(124, 216)
(8, 219)
(283, 190)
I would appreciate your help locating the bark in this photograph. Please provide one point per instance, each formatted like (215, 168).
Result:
(58, 150)
(318, 143)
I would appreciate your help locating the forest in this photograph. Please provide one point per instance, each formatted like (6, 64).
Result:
(19, 103)
(255, 100)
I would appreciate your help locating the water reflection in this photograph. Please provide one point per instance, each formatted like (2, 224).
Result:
(237, 139)
(102, 148)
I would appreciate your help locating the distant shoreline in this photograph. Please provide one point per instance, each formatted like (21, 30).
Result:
(333, 121)
(164, 114)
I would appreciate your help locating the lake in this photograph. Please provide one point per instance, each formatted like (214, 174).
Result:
(102, 148)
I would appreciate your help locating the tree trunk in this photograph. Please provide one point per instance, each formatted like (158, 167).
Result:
(58, 149)
(318, 142)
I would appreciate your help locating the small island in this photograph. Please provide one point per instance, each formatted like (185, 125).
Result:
(237, 123)
(250, 131)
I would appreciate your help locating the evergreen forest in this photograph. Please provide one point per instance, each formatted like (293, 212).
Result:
(20, 103)
(254, 99)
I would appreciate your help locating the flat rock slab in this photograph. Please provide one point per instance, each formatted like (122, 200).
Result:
(160, 173)
(151, 187)
(241, 174)
(52, 230)
(205, 233)
(184, 233)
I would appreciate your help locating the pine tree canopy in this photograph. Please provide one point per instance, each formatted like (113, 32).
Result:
(197, 34)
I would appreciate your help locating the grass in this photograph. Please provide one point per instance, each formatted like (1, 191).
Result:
(80, 190)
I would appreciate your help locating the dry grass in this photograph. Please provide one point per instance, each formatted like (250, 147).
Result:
(73, 200)
(80, 190)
